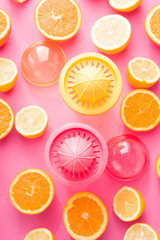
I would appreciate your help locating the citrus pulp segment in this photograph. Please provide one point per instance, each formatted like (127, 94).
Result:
(152, 24)
(158, 166)
(31, 191)
(140, 110)
(141, 231)
(142, 72)
(39, 234)
(5, 27)
(31, 121)
(85, 216)
(8, 74)
(58, 20)
(6, 118)
(90, 84)
(128, 204)
(111, 34)
(125, 5)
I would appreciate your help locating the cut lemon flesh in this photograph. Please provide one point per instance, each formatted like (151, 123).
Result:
(8, 74)
(31, 121)
(140, 110)
(31, 191)
(58, 20)
(5, 27)
(128, 204)
(125, 5)
(142, 72)
(141, 231)
(6, 118)
(39, 234)
(152, 24)
(158, 166)
(111, 34)
(85, 216)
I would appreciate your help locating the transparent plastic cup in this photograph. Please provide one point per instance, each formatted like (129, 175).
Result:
(42, 63)
(127, 157)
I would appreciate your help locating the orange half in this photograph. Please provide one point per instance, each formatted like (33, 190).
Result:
(31, 191)
(58, 20)
(85, 216)
(5, 27)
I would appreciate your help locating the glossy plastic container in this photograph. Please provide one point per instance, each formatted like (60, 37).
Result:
(127, 157)
(90, 84)
(76, 154)
(42, 63)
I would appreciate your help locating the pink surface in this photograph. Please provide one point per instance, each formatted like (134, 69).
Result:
(18, 153)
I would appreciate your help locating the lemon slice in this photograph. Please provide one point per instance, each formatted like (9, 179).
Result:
(142, 72)
(8, 74)
(111, 34)
(31, 121)
(158, 166)
(125, 5)
(39, 234)
(141, 231)
(128, 204)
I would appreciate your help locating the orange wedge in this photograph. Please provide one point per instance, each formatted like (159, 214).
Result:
(141, 231)
(158, 166)
(39, 234)
(31, 121)
(6, 118)
(58, 20)
(31, 191)
(152, 24)
(8, 74)
(128, 204)
(85, 216)
(5, 27)
(140, 110)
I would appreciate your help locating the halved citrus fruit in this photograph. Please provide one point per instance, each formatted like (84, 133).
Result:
(20, 1)
(125, 5)
(58, 20)
(111, 34)
(39, 234)
(31, 191)
(5, 27)
(142, 72)
(158, 166)
(31, 121)
(8, 74)
(152, 24)
(140, 110)
(128, 204)
(141, 231)
(85, 216)
(6, 118)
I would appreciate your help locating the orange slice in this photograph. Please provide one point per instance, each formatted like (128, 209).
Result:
(31, 191)
(5, 27)
(85, 216)
(158, 166)
(142, 72)
(128, 204)
(111, 33)
(58, 20)
(141, 231)
(20, 1)
(152, 24)
(6, 119)
(39, 234)
(125, 5)
(8, 74)
(140, 110)
(31, 121)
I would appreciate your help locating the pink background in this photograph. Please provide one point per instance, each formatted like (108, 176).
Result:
(18, 153)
